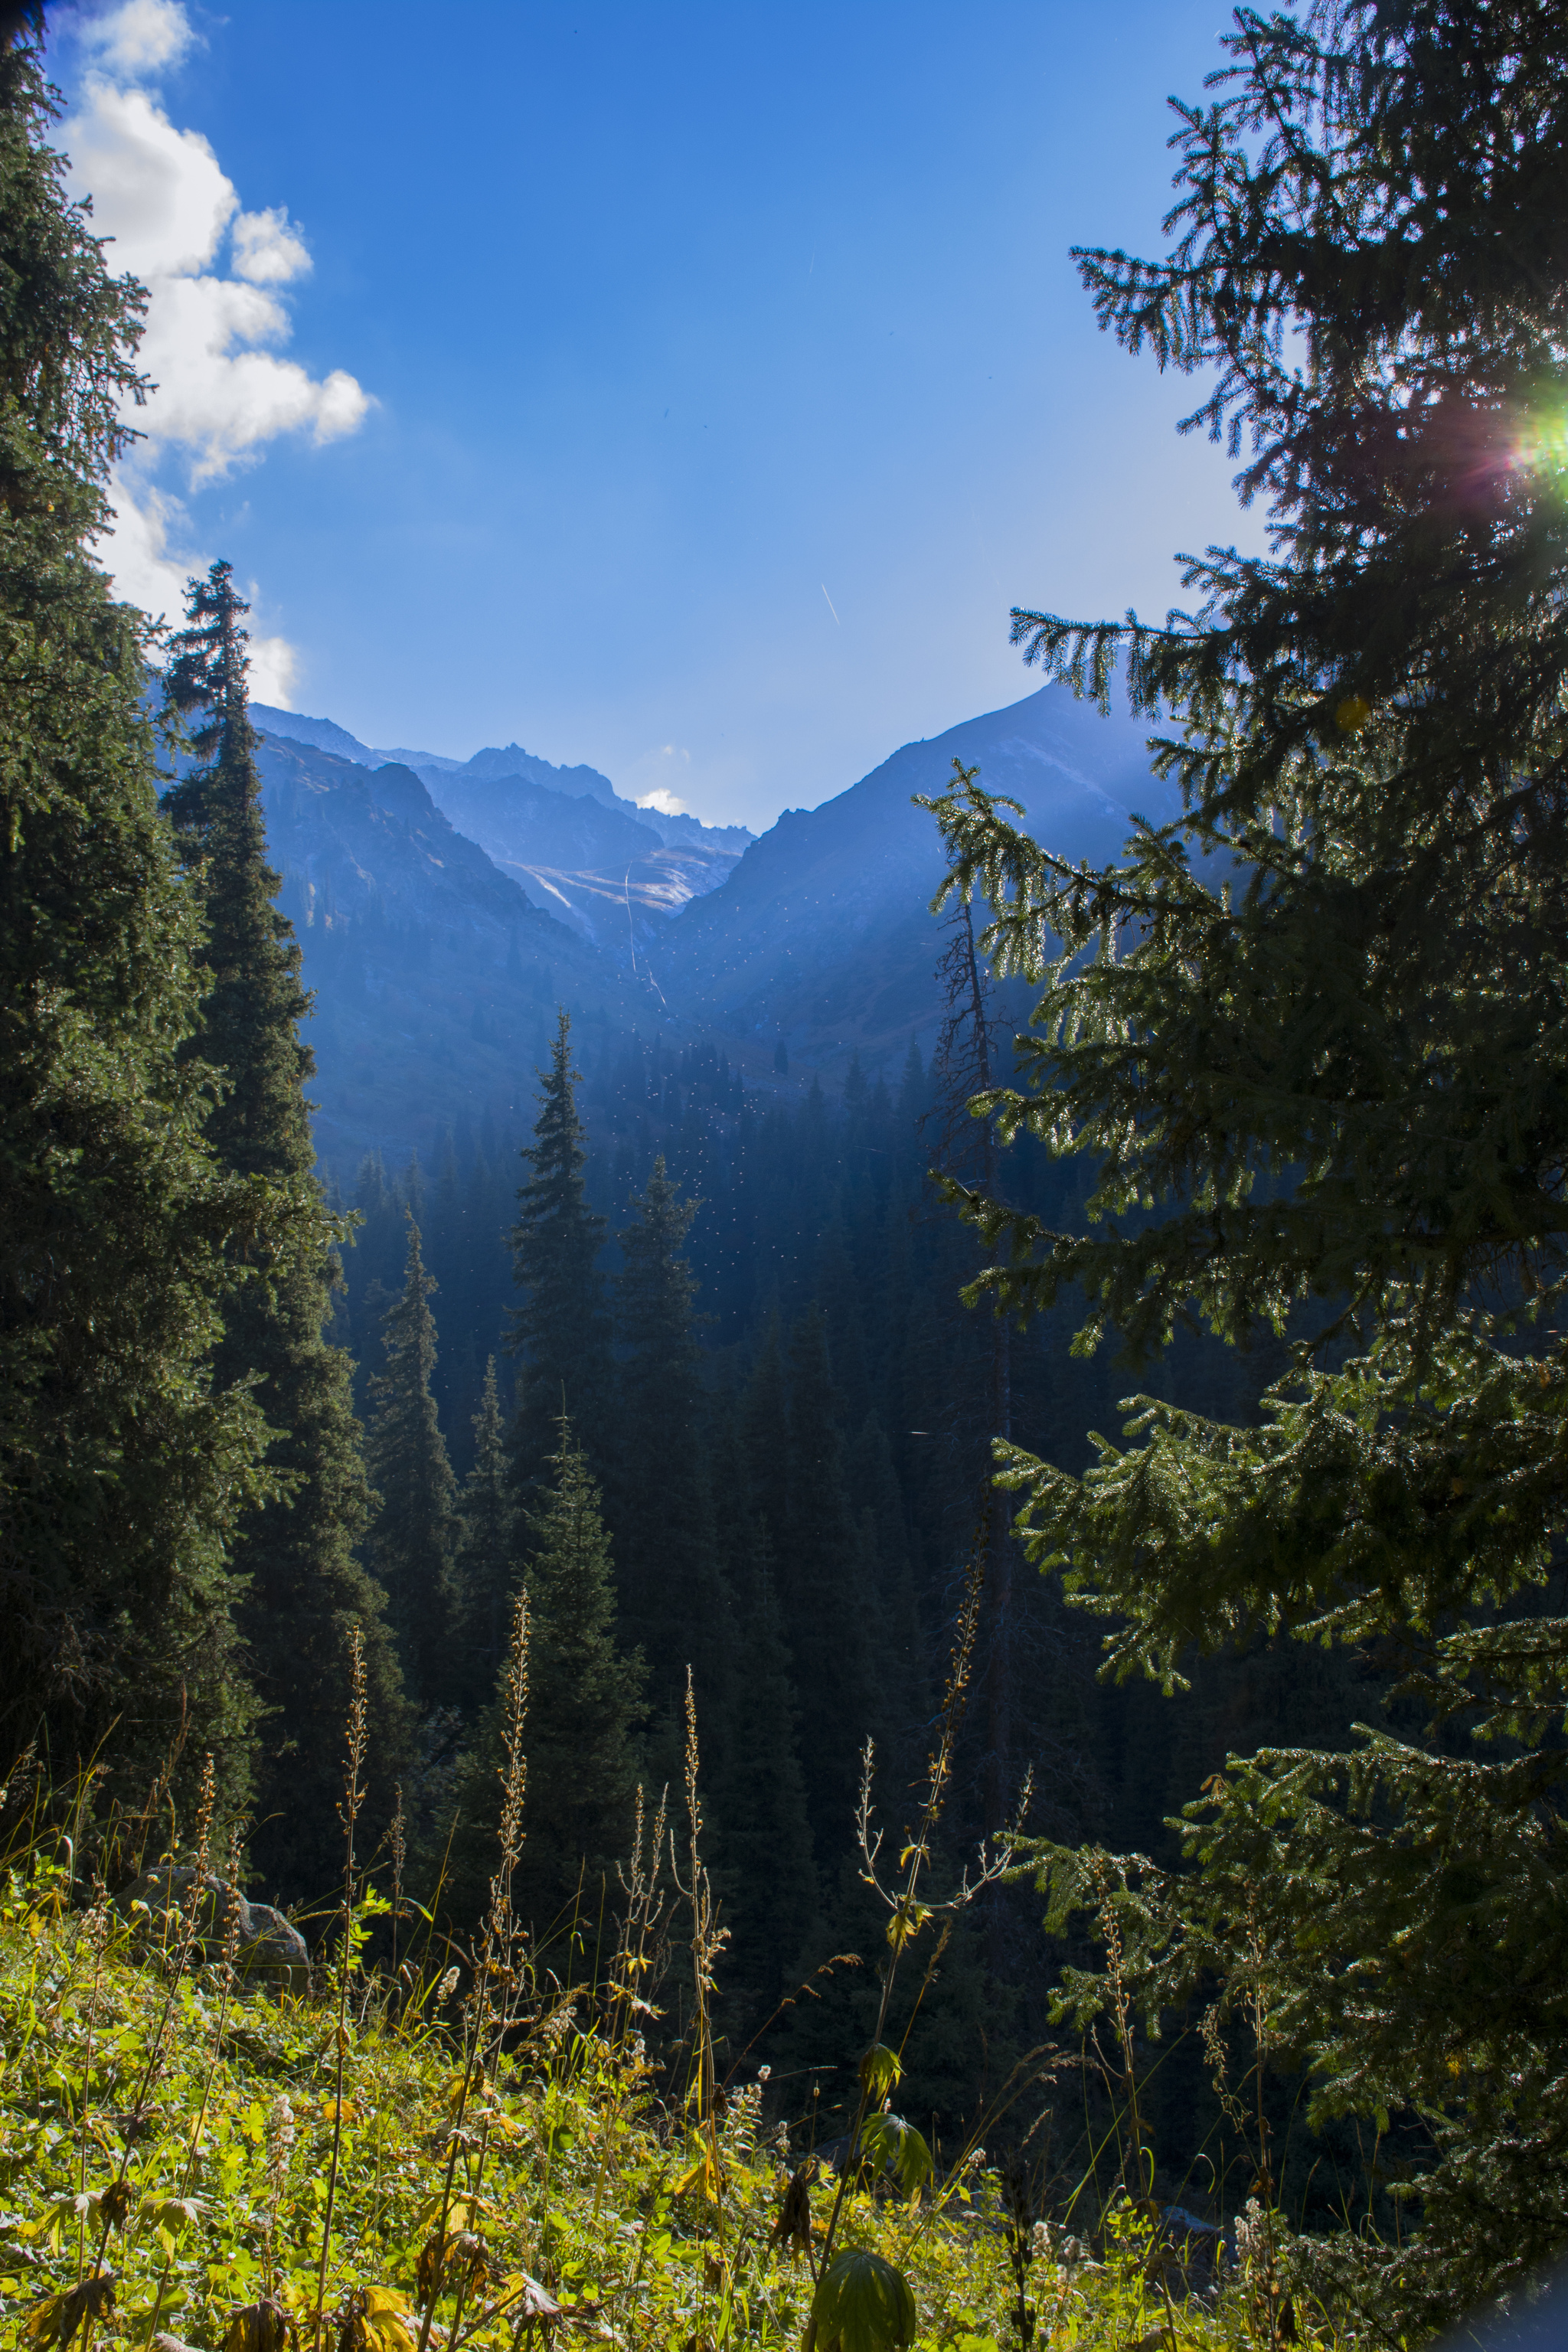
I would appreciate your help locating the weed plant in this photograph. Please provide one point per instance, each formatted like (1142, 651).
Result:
(473, 2153)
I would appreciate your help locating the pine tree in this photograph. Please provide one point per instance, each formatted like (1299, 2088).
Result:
(585, 1696)
(831, 1621)
(561, 1331)
(764, 1441)
(485, 1557)
(768, 1873)
(304, 1585)
(884, 1541)
(414, 1530)
(914, 1095)
(965, 1064)
(674, 1606)
(122, 1472)
(1317, 1029)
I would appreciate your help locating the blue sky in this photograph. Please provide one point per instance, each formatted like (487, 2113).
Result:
(689, 389)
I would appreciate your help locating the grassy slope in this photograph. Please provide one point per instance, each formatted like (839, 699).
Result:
(588, 2184)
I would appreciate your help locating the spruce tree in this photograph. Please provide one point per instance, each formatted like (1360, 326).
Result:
(122, 1471)
(485, 1554)
(585, 1696)
(674, 1606)
(304, 1586)
(879, 1507)
(562, 1332)
(829, 1602)
(1314, 1034)
(767, 1870)
(414, 1529)
(765, 1440)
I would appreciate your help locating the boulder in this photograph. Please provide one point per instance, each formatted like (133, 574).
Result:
(272, 1955)
(158, 1902)
(276, 1957)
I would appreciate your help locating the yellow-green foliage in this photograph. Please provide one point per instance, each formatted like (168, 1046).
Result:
(591, 2193)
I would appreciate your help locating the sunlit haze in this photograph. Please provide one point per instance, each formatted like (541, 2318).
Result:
(689, 391)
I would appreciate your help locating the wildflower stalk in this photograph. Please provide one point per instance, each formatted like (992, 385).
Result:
(398, 1841)
(279, 2144)
(347, 1813)
(193, 2153)
(97, 1926)
(1111, 1935)
(707, 1939)
(116, 2201)
(645, 1907)
(496, 1962)
(908, 1915)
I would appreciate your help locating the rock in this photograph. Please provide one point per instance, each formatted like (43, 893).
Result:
(272, 1955)
(275, 1956)
(158, 1902)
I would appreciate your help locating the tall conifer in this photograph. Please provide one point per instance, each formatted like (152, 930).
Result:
(304, 1584)
(769, 1880)
(585, 1694)
(414, 1530)
(829, 1608)
(765, 1440)
(673, 1602)
(1314, 1036)
(561, 1331)
(485, 1554)
(122, 1472)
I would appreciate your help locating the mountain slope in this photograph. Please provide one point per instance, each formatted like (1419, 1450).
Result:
(498, 763)
(590, 863)
(435, 979)
(492, 766)
(821, 933)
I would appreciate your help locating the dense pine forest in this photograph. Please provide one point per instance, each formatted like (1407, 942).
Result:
(1020, 1585)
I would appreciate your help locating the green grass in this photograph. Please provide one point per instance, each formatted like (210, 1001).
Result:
(570, 2176)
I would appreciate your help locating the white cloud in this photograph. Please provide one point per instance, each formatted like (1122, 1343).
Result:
(160, 194)
(267, 247)
(653, 775)
(212, 335)
(274, 666)
(220, 395)
(152, 560)
(150, 565)
(136, 37)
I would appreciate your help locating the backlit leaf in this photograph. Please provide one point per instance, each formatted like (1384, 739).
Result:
(863, 2304)
(897, 2148)
(880, 2072)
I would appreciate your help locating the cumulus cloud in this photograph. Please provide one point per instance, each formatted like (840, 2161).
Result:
(160, 194)
(215, 320)
(153, 554)
(654, 774)
(131, 38)
(267, 248)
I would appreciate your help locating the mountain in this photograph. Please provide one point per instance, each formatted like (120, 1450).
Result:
(609, 877)
(821, 934)
(435, 979)
(421, 905)
(495, 764)
(324, 735)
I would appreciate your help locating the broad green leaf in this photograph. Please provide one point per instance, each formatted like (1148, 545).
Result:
(863, 2304)
(897, 2148)
(880, 2072)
